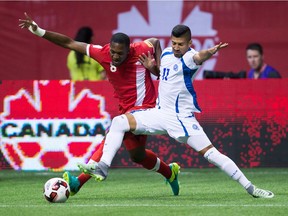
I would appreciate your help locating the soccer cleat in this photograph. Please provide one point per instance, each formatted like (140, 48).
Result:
(98, 171)
(259, 193)
(73, 183)
(173, 181)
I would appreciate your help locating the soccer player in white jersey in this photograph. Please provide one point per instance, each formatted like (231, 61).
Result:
(174, 112)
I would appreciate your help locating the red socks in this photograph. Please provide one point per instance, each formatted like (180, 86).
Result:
(83, 178)
(151, 162)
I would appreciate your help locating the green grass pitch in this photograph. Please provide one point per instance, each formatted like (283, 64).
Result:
(140, 192)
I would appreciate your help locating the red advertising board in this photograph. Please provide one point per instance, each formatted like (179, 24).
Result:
(23, 56)
(55, 124)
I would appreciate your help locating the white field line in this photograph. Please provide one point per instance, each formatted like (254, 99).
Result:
(142, 205)
(186, 172)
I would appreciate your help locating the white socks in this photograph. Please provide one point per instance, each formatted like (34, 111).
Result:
(114, 138)
(227, 165)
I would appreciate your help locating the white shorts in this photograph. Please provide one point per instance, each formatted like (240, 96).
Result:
(155, 121)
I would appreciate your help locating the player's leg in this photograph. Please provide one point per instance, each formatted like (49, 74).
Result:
(202, 144)
(114, 138)
(76, 183)
(135, 144)
(198, 140)
(119, 126)
(151, 122)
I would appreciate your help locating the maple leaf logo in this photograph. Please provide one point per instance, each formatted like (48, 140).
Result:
(162, 17)
(54, 99)
(52, 128)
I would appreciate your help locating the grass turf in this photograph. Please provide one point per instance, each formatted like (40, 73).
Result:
(140, 192)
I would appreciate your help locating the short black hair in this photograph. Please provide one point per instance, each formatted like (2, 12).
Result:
(120, 38)
(255, 46)
(180, 30)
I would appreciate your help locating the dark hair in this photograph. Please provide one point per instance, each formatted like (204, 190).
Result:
(180, 30)
(120, 38)
(255, 46)
(85, 35)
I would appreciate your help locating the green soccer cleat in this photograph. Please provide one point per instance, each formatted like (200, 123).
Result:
(173, 181)
(73, 183)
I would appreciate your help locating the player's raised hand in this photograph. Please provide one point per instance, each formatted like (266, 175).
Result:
(27, 22)
(221, 45)
(217, 47)
(31, 25)
(147, 61)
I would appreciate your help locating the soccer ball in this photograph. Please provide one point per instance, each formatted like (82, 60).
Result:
(56, 190)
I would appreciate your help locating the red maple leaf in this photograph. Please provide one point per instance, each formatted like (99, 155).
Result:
(54, 99)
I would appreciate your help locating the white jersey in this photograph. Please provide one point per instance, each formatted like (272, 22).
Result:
(176, 93)
(176, 103)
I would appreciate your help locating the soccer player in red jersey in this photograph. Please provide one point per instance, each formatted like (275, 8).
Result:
(133, 87)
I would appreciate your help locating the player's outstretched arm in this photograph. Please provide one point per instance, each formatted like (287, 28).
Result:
(204, 55)
(54, 37)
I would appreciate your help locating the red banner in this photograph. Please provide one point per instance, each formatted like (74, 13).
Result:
(51, 124)
(55, 124)
(25, 57)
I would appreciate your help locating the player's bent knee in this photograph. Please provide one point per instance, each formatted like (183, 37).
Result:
(120, 123)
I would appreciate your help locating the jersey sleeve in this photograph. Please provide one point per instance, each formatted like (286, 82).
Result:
(144, 47)
(94, 51)
(188, 59)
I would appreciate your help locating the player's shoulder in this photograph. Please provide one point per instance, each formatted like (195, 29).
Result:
(94, 50)
(138, 44)
(191, 50)
(149, 43)
(99, 47)
(141, 47)
(189, 54)
(167, 49)
(167, 52)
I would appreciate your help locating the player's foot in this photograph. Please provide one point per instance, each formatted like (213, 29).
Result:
(73, 183)
(259, 193)
(98, 171)
(173, 181)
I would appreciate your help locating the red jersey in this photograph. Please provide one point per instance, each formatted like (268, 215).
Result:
(131, 81)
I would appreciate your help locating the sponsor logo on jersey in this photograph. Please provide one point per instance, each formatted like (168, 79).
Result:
(175, 67)
(195, 127)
